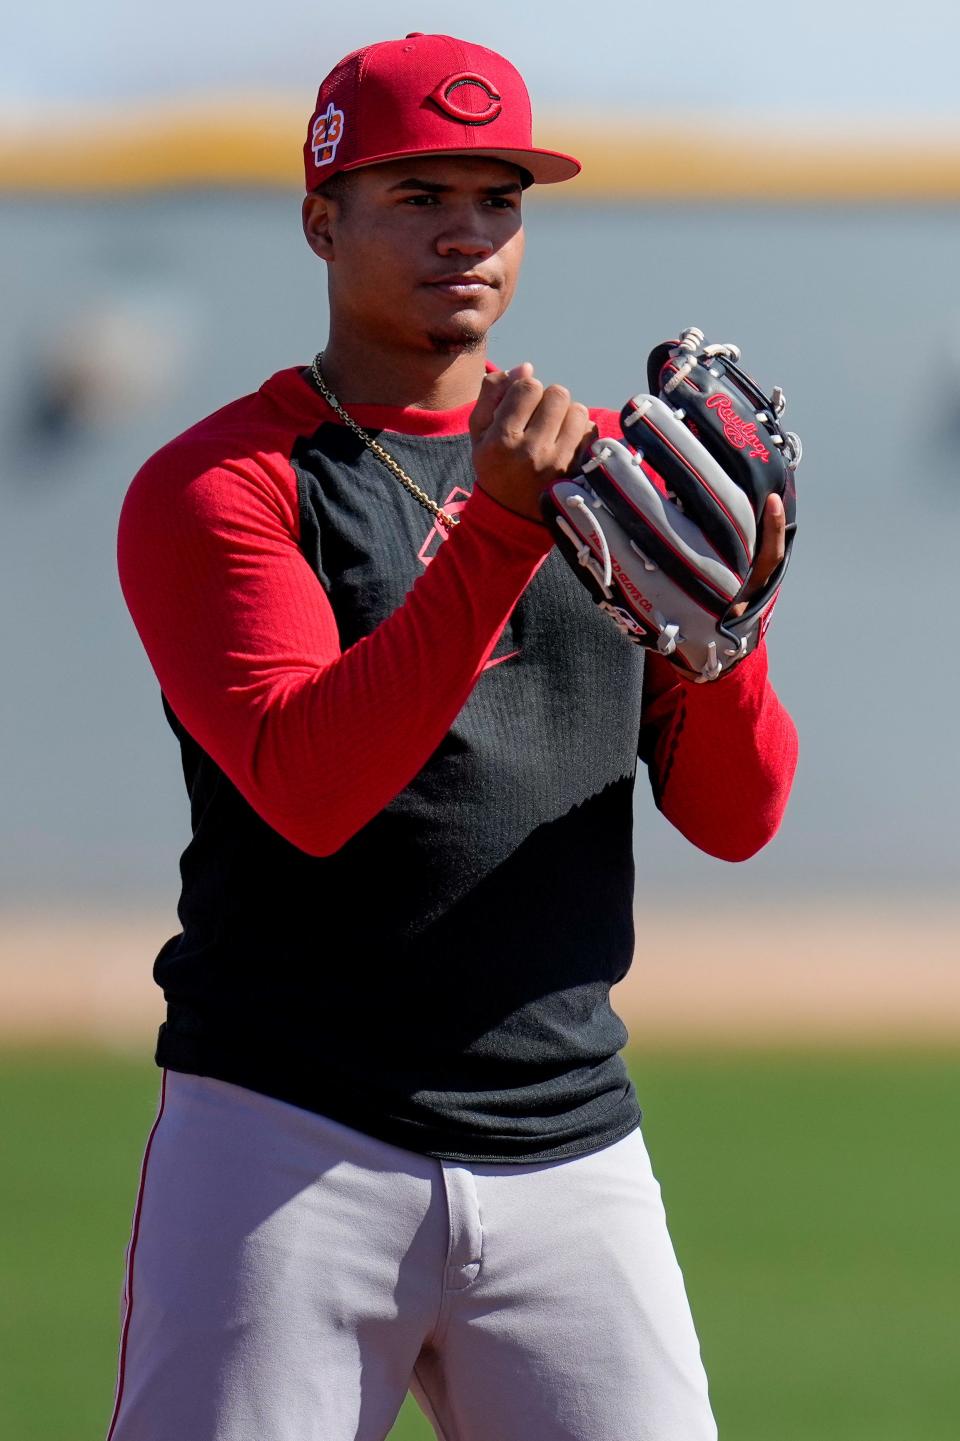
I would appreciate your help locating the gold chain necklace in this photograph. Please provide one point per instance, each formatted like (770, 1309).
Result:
(382, 455)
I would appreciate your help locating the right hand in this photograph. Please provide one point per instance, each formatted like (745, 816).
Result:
(525, 436)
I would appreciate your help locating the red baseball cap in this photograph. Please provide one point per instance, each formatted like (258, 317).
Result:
(425, 95)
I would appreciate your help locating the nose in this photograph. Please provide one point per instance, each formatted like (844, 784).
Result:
(465, 239)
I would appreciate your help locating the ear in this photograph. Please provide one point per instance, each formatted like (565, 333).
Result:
(318, 214)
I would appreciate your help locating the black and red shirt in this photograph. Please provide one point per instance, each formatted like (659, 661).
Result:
(410, 762)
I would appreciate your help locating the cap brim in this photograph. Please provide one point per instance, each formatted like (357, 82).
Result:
(547, 167)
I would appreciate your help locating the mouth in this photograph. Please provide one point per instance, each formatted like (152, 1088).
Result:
(461, 286)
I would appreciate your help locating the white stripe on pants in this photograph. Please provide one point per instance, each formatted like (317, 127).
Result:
(290, 1278)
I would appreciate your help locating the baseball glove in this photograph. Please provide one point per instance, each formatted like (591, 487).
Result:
(662, 524)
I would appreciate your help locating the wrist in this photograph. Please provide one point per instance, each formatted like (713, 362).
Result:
(509, 533)
(535, 517)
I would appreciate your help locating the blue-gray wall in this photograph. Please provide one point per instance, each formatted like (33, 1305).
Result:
(195, 299)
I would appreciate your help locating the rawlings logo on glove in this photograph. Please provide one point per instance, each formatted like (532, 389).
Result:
(739, 432)
(662, 524)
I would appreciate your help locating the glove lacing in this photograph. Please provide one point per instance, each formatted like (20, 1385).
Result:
(691, 340)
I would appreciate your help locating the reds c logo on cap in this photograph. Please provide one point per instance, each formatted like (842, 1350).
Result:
(327, 134)
(424, 95)
(483, 112)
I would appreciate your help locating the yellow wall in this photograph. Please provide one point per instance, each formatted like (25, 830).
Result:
(258, 143)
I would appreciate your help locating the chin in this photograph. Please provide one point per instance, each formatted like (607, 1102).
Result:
(456, 339)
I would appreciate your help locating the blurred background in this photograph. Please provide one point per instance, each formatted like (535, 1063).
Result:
(789, 180)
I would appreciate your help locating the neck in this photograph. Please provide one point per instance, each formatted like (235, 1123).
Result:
(359, 374)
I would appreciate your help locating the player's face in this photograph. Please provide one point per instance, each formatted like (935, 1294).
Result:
(425, 251)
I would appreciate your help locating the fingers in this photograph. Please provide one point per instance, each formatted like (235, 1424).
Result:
(576, 433)
(524, 436)
(523, 406)
(492, 390)
(534, 416)
(773, 542)
(772, 549)
(531, 412)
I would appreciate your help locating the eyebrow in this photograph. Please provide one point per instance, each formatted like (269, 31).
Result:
(433, 187)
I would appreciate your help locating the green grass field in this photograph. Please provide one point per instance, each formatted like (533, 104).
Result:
(812, 1198)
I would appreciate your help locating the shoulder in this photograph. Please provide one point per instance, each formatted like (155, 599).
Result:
(238, 454)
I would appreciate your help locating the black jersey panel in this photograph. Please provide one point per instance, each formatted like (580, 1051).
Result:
(442, 980)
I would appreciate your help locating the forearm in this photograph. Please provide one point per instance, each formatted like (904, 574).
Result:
(334, 747)
(244, 642)
(721, 756)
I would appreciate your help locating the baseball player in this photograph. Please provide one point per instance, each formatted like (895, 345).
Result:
(397, 1146)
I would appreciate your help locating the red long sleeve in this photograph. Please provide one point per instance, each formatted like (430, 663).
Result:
(243, 640)
(721, 756)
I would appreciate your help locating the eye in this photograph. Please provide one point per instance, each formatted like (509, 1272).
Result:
(501, 202)
(422, 199)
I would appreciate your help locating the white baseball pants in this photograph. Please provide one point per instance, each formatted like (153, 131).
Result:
(289, 1278)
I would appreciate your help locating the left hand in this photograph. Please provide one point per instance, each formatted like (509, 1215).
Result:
(772, 548)
(689, 567)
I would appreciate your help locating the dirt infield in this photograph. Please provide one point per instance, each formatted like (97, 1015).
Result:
(869, 972)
